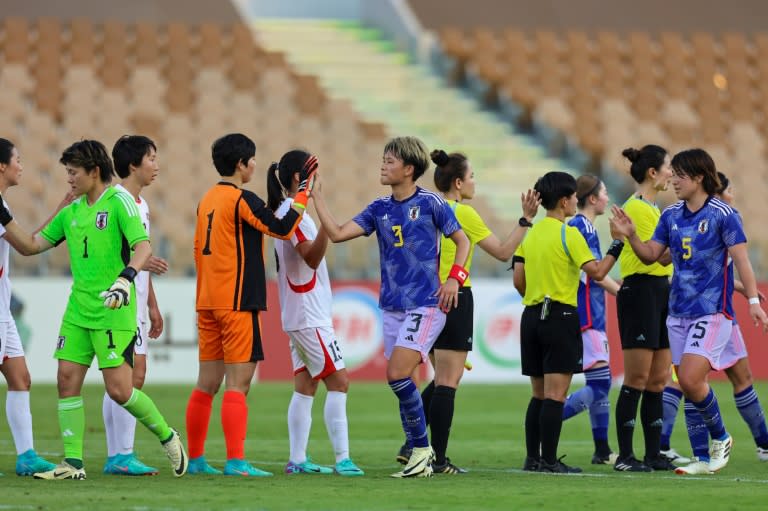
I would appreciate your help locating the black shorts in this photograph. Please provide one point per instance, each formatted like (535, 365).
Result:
(552, 345)
(457, 332)
(642, 304)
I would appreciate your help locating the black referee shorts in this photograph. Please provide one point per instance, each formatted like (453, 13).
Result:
(459, 324)
(551, 345)
(642, 304)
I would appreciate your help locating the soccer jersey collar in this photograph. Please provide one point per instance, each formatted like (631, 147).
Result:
(687, 213)
(418, 189)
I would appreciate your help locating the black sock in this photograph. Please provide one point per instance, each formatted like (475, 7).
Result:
(441, 417)
(626, 413)
(602, 448)
(551, 422)
(652, 417)
(532, 433)
(426, 398)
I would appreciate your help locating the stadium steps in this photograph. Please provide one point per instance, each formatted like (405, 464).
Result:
(384, 86)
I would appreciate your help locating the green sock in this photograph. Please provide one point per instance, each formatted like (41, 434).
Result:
(72, 425)
(143, 408)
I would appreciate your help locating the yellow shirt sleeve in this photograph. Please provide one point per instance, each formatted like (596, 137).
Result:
(577, 246)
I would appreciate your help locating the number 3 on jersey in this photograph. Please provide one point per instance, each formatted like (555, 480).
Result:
(398, 230)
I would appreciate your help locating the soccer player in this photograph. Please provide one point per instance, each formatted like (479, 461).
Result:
(455, 178)
(231, 290)
(13, 365)
(408, 224)
(734, 360)
(135, 160)
(592, 201)
(305, 310)
(547, 267)
(704, 236)
(641, 305)
(100, 226)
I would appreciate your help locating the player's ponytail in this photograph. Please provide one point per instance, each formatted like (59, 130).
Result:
(275, 194)
(280, 176)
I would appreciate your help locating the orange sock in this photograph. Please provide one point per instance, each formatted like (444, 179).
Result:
(198, 417)
(234, 422)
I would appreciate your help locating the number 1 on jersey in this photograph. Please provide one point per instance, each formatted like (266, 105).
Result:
(85, 247)
(207, 248)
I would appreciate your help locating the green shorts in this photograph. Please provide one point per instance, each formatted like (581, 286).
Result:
(79, 345)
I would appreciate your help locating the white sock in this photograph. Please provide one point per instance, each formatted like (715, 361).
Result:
(109, 426)
(335, 415)
(125, 429)
(299, 424)
(19, 419)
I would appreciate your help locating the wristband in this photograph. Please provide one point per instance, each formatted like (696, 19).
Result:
(459, 273)
(128, 274)
(755, 300)
(300, 199)
(615, 249)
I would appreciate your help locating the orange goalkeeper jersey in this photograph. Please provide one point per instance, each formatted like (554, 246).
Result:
(229, 247)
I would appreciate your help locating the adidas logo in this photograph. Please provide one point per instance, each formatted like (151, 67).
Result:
(640, 337)
(409, 338)
(695, 344)
(629, 424)
(67, 432)
(657, 423)
(112, 355)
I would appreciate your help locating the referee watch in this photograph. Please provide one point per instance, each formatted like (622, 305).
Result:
(524, 222)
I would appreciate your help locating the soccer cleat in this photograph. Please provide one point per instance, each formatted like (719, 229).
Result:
(347, 467)
(29, 463)
(531, 464)
(558, 467)
(762, 454)
(631, 464)
(719, 453)
(404, 454)
(306, 467)
(675, 457)
(660, 463)
(695, 467)
(235, 467)
(604, 459)
(447, 468)
(198, 466)
(420, 464)
(174, 449)
(61, 471)
(128, 465)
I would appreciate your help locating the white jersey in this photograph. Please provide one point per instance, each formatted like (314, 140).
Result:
(142, 278)
(5, 281)
(305, 294)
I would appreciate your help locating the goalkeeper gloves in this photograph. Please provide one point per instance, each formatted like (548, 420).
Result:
(306, 181)
(119, 293)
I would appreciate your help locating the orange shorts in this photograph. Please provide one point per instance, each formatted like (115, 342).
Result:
(232, 336)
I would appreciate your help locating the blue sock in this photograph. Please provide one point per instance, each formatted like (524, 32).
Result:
(583, 398)
(697, 432)
(710, 412)
(412, 409)
(752, 412)
(600, 409)
(408, 439)
(672, 397)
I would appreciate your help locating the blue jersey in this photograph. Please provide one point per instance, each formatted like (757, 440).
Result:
(590, 297)
(409, 234)
(702, 283)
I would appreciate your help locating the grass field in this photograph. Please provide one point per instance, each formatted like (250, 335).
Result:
(487, 439)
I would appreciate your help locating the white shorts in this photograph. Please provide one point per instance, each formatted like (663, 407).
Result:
(316, 351)
(141, 345)
(10, 342)
(735, 350)
(706, 336)
(415, 329)
(595, 347)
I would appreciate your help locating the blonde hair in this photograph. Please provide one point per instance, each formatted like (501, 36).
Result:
(412, 151)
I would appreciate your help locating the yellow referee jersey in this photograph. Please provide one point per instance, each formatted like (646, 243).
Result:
(645, 216)
(554, 253)
(475, 229)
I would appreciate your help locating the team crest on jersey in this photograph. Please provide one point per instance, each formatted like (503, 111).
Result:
(101, 220)
(413, 212)
(703, 226)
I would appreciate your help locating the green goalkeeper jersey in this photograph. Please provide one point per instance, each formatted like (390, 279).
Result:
(99, 239)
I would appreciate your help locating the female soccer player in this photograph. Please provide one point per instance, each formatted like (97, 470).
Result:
(641, 304)
(13, 365)
(592, 201)
(547, 267)
(704, 236)
(408, 224)
(455, 178)
(100, 319)
(305, 310)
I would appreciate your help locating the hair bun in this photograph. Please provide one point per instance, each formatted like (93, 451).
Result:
(631, 154)
(439, 157)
